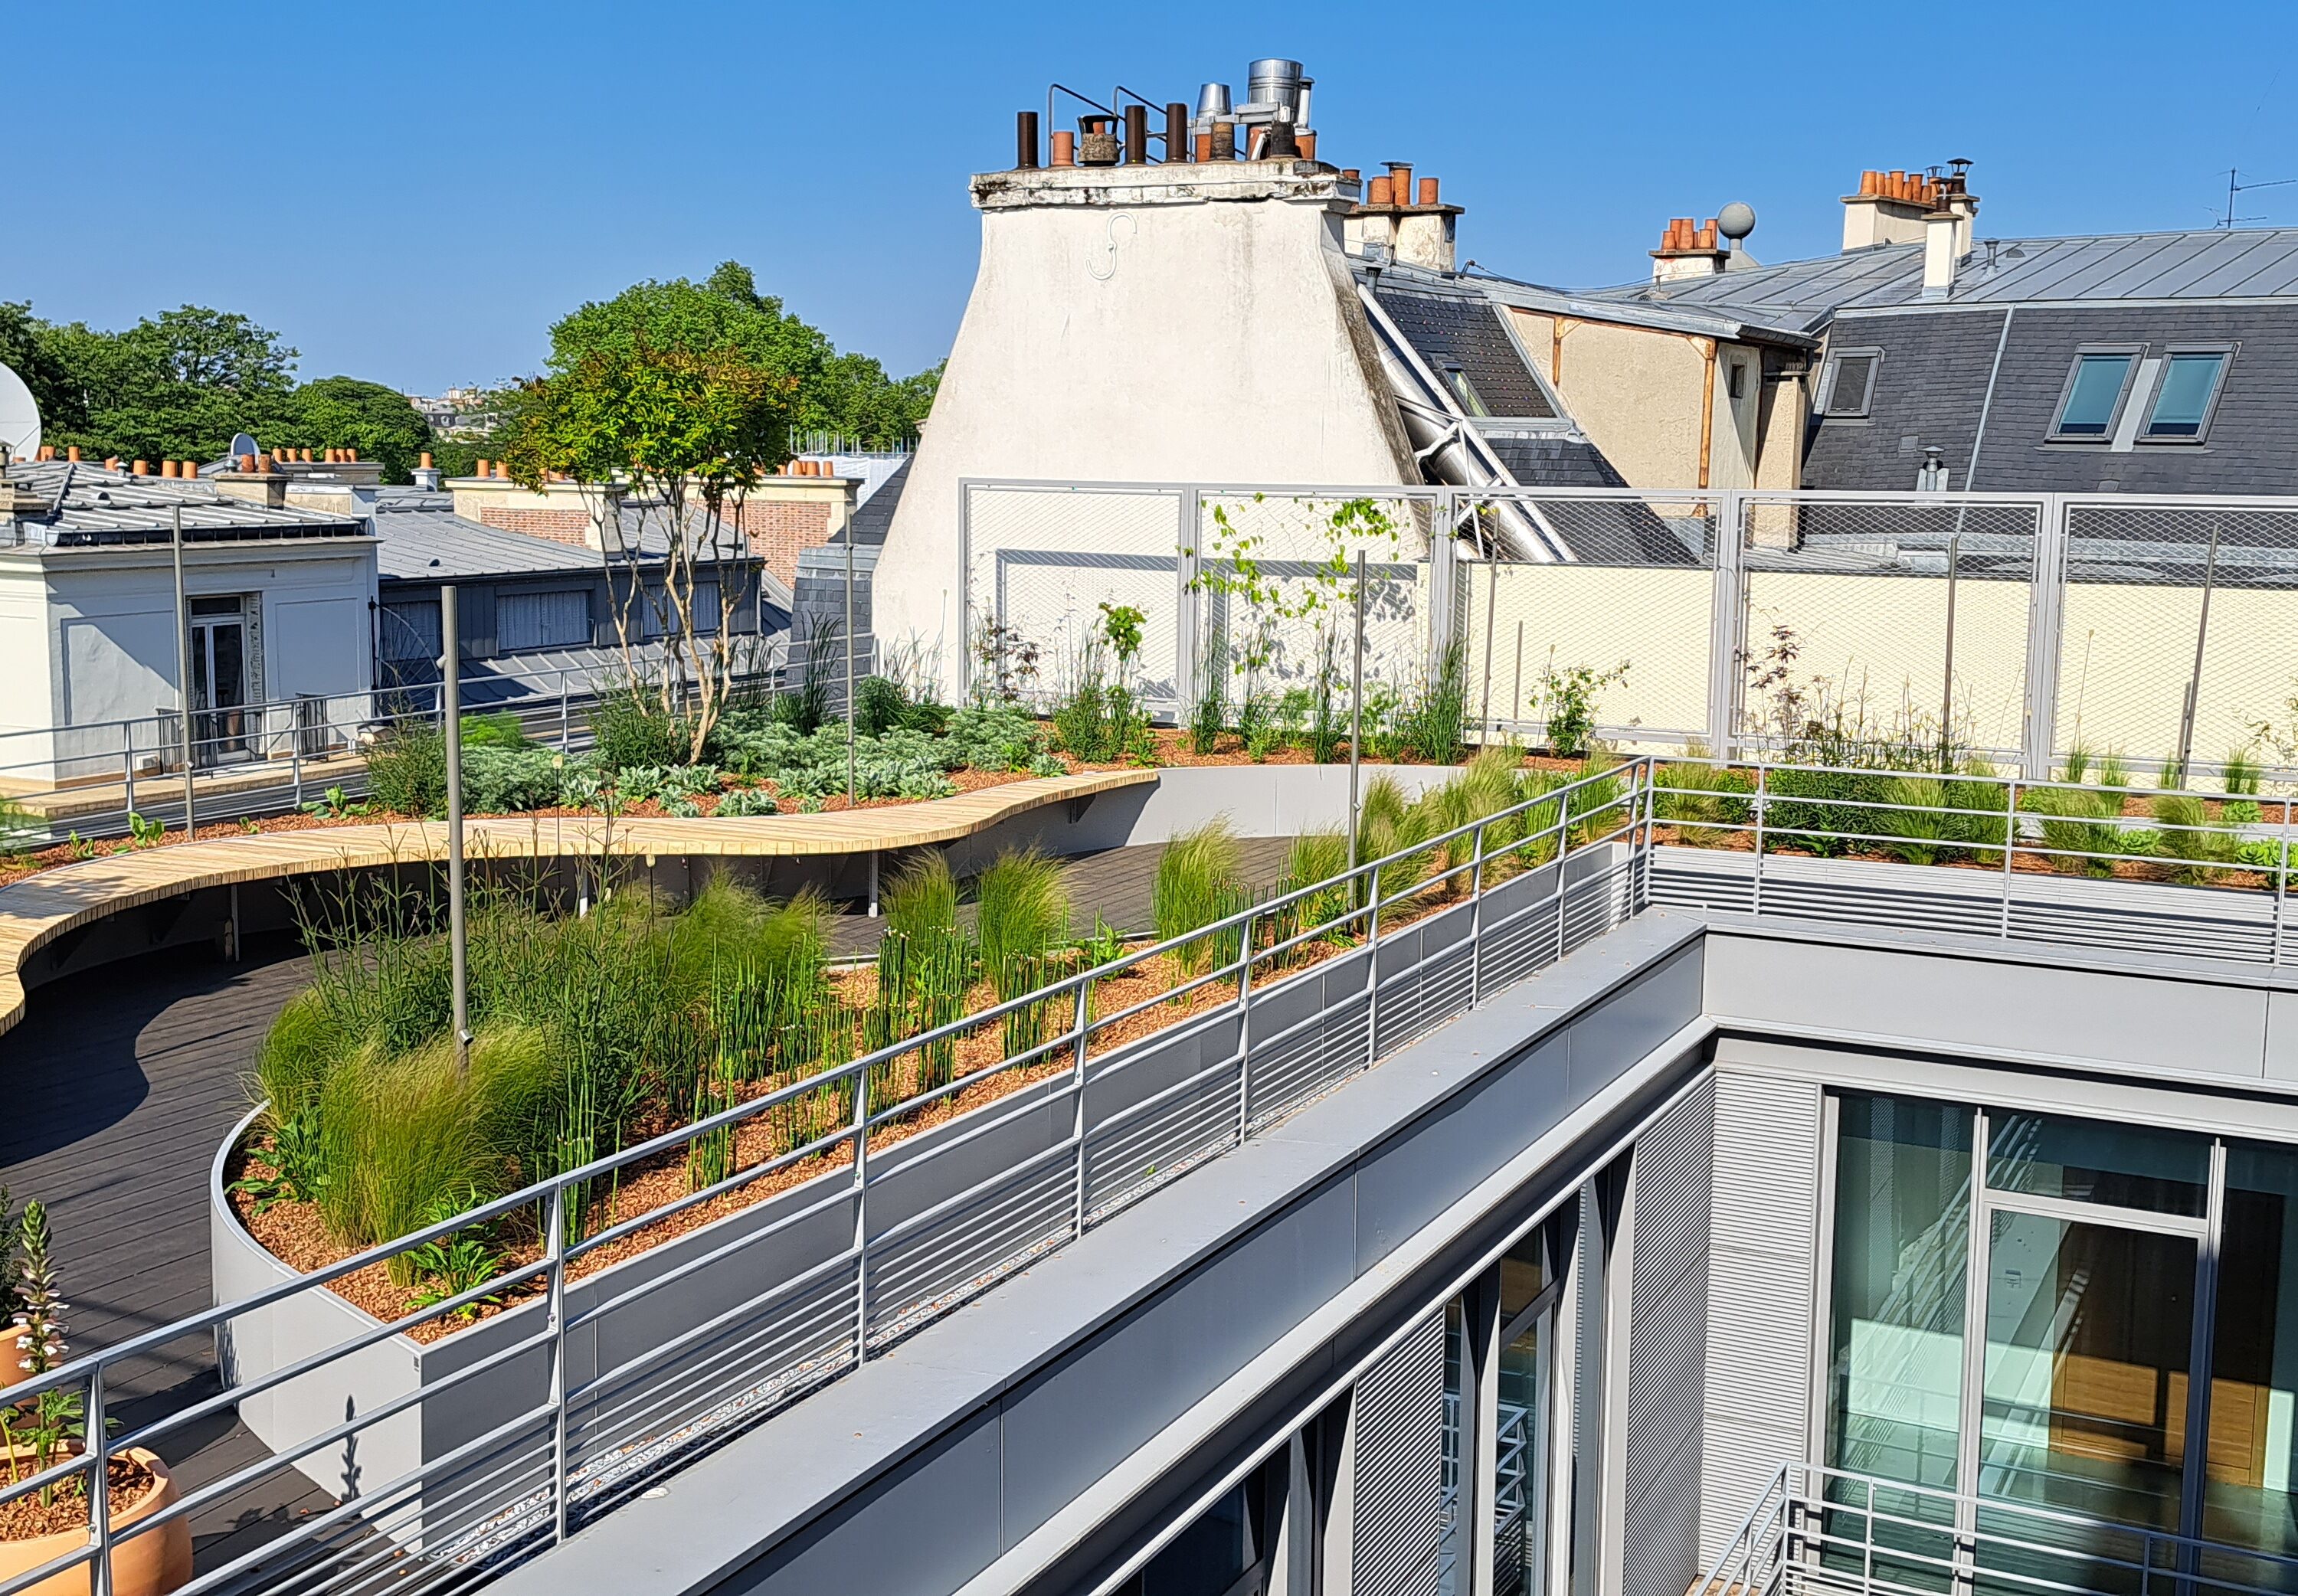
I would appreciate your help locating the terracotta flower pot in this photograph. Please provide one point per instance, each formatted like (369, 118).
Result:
(153, 1564)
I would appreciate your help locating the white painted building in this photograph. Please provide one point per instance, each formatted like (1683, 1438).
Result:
(279, 611)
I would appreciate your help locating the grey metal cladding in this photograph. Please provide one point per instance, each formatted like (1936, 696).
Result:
(1448, 331)
(1399, 1419)
(875, 517)
(1933, 385)
(1667, 1335)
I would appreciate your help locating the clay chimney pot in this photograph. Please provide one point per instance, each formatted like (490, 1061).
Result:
(71, 453)
(1064, 147)
(247, 462)
(143, 467)
(351, 455)
(1376, 193)
(1308, 145)
(480, 468)
(190, 468)
(1429, 191)
(167, 467)
(423, 460)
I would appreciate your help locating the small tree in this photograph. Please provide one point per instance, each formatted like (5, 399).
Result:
(678, 396)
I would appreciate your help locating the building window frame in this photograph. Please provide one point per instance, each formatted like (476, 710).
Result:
(2131, 355)
(2169, 354)
(582, 637)
(1833, 405)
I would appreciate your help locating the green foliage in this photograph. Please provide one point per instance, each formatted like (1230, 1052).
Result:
(1198, 883)
(878, 707)
(744, 802)
(407, 770)
(1917, 822)
(855, 399)
(2078, 825)
(174, 387)
(1702, 800)
(11, 1281)
(921, 901)
(1209, 715)
(2240, 774)
(337, 412)
(498, 779)
(462, 1260)
(1316, 856)
(1434, 722)
(1021, 920)
(1568, 698)
(144, 831)
(2198, 849)
(631, 728)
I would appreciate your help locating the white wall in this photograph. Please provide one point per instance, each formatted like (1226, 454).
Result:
(1141, 323)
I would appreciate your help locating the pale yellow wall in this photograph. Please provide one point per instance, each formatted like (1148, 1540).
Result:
(1654, 621)
(1779, 459)
(2127, 651)
(1635, 392)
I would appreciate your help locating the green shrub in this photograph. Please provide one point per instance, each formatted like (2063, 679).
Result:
(500, 777)
(1388, 823)
(1978, 809)
(2240, 774)
(407, 770)
(1701, 800)
(878, 707)
(921, 901)
(1918, 822)
(1209, 714)
(1083, 724)
(1434, 722)
(629, 729)
(1825, 809)
(1198, 883)
(746, 801)
(1021, 918)
(496, 729)
(2077, 827)
(2198, 849)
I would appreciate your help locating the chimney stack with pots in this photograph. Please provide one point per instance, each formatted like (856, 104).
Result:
(1688, 249)
(1890, 206)
(1405, 219)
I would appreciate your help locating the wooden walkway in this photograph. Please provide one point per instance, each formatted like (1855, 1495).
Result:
(40, 908)
(123, 1080)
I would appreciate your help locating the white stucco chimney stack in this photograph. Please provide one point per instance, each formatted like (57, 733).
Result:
(1946, 232)
(1159, 321)
(428, 477)
(1687, 250)
(1404, 223)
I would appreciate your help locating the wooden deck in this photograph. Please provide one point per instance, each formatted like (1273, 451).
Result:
(123, 1080)
(40, 908)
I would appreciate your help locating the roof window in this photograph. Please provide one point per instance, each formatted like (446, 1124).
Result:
(1472, 403)
(2096, 386)
(2186, 394)
(1851, 382)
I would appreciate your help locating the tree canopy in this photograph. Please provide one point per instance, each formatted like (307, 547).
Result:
(178, 384)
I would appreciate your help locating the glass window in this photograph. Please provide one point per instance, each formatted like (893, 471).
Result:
(1471, 402)
(2254, 1425)
(2093, 1161)
(2094, 395)
(2182, 398)
(1853, 384)
(1902, 1249)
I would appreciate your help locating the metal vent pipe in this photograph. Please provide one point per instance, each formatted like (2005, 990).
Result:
(1025, 140)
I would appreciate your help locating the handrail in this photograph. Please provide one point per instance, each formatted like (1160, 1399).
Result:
(1584, 849)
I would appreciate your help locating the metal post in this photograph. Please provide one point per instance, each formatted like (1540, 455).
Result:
(1080, 1126)
(1755, 898)
(2194, 681)
(860, 1216)
(1372, 973)
(450, 678)
(873, 883)
(562, 716)
(99, 1496)
(1476, 922)
(1244, 1024)
(2010, 850)
(1515, 702)
(127, 761)
(184, 670)
(850, 798)
(1356, 710)
(1491, 609)
(1563, 847)
(555, 1215)
(2281, 880)
(1946, 684)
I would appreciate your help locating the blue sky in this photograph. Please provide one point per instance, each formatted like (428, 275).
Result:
(413, 192)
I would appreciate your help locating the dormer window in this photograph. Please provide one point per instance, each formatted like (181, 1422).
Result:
(1851, 382)
(1472, 403)
(2185, 396)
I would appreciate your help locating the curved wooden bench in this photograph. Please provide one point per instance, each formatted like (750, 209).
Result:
(36, 910)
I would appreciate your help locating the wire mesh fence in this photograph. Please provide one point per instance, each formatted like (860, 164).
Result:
(2017, 629)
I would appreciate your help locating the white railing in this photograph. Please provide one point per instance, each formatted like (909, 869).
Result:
(589, 1386)
(1830, 1530)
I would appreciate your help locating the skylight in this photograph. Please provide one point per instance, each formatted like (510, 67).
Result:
(2094, 395)
(2183, 399)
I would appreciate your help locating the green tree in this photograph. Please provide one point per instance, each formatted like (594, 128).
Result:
(337, 412)
(26, 345)
(175, 387)
(672, 397)
(856, 400)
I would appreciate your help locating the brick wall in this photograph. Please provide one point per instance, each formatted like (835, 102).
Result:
(778, 532)
(559, 525)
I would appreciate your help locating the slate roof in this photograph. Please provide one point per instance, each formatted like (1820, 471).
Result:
(1464, 331)
(424, 539)
(89, 506)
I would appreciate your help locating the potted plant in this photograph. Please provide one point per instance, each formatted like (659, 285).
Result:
(38, 1432)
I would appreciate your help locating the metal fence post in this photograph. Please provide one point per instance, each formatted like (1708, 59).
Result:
(1763, 772)
(2046, 605)
(564, 718)
(1188, 642)
(555, 1212)
(1727, 625)
(1563, 852)
(1372, 972)
(127, 761)
(2281, 880)
(1476, 922)
(2010, 850)
(99, 1496)
(1084, 1012)
(860, 1216)
(1244, 1025)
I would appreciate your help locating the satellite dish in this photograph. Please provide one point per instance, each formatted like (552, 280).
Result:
(1736, 220)
(240, 443)
(19, 417)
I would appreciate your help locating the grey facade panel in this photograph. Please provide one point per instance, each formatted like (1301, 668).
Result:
(1399, 1506)
(1932, 387)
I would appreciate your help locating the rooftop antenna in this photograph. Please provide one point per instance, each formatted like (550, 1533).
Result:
(2234, 187)
(19, 417)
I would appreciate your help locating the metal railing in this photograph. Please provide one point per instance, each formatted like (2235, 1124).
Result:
(279, 755)
(1818, 1529)
(2202, 873)
(2025, 625)
(586, 1386)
